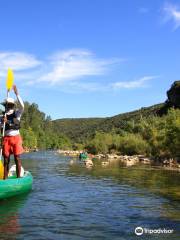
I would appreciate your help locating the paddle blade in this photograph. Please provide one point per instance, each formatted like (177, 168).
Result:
(1, 170)
(10, 79)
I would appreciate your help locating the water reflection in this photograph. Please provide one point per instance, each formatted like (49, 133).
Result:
(150, 179)
(9, 219)
(72, 201)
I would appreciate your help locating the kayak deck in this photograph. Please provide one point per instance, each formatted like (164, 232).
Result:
(14, 186)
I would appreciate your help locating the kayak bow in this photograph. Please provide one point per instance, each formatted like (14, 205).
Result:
(14, 186)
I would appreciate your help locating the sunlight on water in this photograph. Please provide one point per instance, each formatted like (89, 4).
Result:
(70, 201)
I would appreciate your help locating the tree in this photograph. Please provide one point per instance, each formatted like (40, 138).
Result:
(29, 138)
(132, 144)
(172, 142)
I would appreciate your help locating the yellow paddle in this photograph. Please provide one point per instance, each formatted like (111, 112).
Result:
(10, 80)
(9, 84)
(1, 170)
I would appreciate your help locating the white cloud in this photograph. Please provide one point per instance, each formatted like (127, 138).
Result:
(17, 61)
(74, 64)
(62, 68)
(172, 13)
(139, 83)
(80, 86)
(69, 69)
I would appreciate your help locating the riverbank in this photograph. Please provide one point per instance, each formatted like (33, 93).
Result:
(125, 159)
(27, 150)
(71, 153)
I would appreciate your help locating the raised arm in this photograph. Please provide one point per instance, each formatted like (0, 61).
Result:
(20, 101)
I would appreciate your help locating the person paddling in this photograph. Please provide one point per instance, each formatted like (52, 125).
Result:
(12, 142)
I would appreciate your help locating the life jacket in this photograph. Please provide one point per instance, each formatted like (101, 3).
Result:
(12, 122)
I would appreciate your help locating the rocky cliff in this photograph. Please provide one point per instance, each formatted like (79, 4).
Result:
(173, 95)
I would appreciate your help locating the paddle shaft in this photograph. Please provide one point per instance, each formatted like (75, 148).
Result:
(3, 131)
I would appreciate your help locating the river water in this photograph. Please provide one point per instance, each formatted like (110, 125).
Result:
(70, 201)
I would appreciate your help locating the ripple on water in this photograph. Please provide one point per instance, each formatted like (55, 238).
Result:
(72, 202)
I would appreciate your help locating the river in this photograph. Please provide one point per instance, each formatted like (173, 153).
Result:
(70, 201)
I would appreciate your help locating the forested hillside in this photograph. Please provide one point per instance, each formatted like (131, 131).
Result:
(80, 129)
(38, 132)
(152, 131)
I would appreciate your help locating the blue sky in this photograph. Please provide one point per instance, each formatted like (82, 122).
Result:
(90, 58)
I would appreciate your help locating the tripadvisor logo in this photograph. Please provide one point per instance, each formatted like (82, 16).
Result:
(139, 231)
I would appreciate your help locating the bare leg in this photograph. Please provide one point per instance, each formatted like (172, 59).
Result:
(18, 165)
(6, 166)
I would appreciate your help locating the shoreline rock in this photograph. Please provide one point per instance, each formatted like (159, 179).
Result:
(27, 150)
(71, 153)
(138, 159)
(125, 159)
(130, 160)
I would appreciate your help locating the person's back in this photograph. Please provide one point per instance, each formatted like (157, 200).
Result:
(12, 142)
(13, 119)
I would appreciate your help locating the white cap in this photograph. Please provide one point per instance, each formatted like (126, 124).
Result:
(8, 100)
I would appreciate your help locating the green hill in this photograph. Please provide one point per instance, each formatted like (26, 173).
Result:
(80, 129)
(77, 129)
(38, 130)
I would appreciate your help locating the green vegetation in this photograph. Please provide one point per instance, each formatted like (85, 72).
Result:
(38, 132)
(153, 136)
(81, 129)
(152, 131)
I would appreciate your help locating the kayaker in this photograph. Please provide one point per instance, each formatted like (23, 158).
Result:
(83, 155)
(12, 142)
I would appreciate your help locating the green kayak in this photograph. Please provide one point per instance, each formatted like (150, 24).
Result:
(15, 186)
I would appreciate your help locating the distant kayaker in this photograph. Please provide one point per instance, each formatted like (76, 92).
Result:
(83, 155)
(12, 142)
